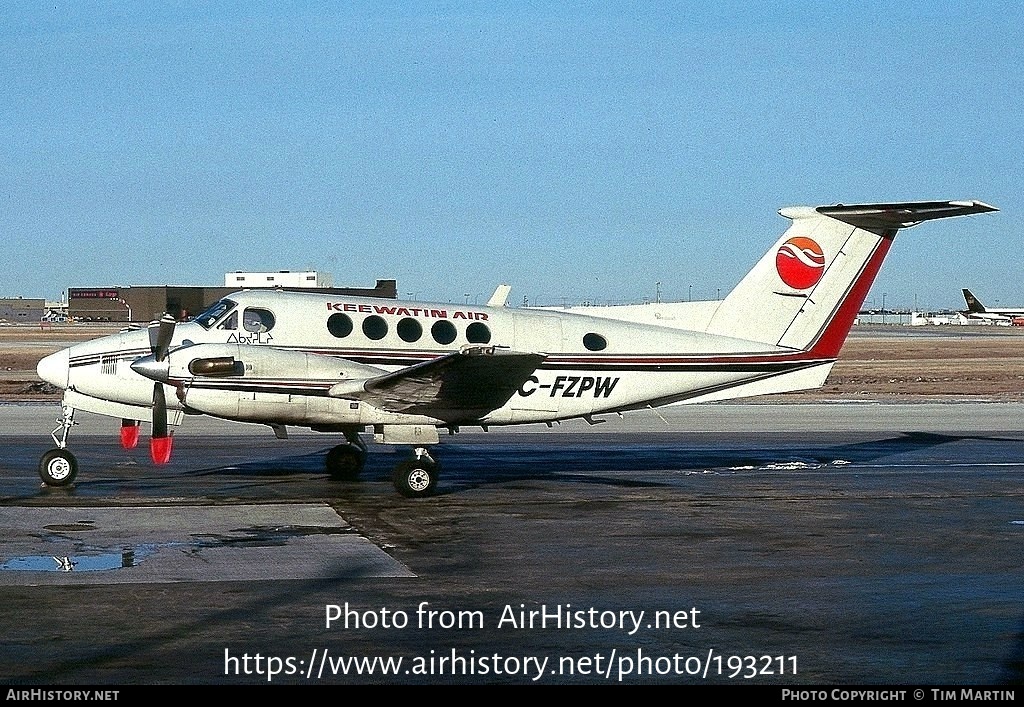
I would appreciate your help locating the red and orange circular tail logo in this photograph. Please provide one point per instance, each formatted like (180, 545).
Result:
(800, 262)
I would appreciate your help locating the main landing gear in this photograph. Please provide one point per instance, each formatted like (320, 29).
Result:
(416, 478)
(58, 467)
(345, 462)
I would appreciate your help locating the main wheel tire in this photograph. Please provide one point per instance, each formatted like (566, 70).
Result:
(415, 479)
(345, 462)
(58, 467)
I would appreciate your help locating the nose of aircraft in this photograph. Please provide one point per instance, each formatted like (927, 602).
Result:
(54, 369)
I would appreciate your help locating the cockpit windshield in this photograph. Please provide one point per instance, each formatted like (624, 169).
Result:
(208, 318)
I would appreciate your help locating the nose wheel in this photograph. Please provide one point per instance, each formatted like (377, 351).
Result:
(58, 467)
(416, 478)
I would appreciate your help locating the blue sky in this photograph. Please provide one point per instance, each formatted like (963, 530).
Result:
(582, 151)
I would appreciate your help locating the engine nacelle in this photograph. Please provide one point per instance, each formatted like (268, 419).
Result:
(273, 386)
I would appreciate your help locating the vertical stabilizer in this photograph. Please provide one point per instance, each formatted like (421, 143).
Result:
(973, 303)
(807, 289)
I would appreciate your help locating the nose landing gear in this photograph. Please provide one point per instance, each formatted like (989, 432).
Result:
(59, 467)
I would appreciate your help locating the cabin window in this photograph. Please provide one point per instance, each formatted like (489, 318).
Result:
(409, 330)
(594, 342)
(478, 333)
(375, 327)
(443, 332)
(257, 321)
(340, 325)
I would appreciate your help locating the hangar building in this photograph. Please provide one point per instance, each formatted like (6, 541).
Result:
(146, 303)
(22, 310)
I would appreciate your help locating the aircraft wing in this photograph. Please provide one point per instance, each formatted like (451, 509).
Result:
(461, 386)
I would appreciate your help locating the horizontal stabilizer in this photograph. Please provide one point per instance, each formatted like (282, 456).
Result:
(461, 386)
(901, 215)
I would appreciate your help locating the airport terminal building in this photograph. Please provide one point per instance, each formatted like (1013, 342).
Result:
(146, 303)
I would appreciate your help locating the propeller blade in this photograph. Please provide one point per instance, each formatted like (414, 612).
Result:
(159, 411)
(160, 336)
(160, 442)
(160, 449)
(129, 434)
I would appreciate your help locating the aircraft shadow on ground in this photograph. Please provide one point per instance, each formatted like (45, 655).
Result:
(466, 466)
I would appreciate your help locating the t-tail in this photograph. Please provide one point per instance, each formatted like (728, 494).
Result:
(805, 293)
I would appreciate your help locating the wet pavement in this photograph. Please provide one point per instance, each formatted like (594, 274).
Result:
(773, 555)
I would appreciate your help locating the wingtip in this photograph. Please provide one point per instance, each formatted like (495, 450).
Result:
(975, 204)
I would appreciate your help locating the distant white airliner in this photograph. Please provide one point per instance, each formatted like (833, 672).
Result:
(406, 369)
(976, 310)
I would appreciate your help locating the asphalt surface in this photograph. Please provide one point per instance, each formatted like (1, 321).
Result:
(799, 544)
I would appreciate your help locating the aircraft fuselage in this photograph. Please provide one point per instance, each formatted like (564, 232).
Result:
(284, 371)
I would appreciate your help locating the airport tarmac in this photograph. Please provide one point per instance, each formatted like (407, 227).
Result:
(822, 543)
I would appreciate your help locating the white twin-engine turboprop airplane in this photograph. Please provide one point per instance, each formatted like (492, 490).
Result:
(404, 369)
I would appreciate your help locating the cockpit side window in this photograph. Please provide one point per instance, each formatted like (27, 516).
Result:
(230, 322)
(257, 321)
(208, 318)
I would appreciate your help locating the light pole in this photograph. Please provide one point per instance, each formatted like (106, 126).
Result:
(128, 307)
